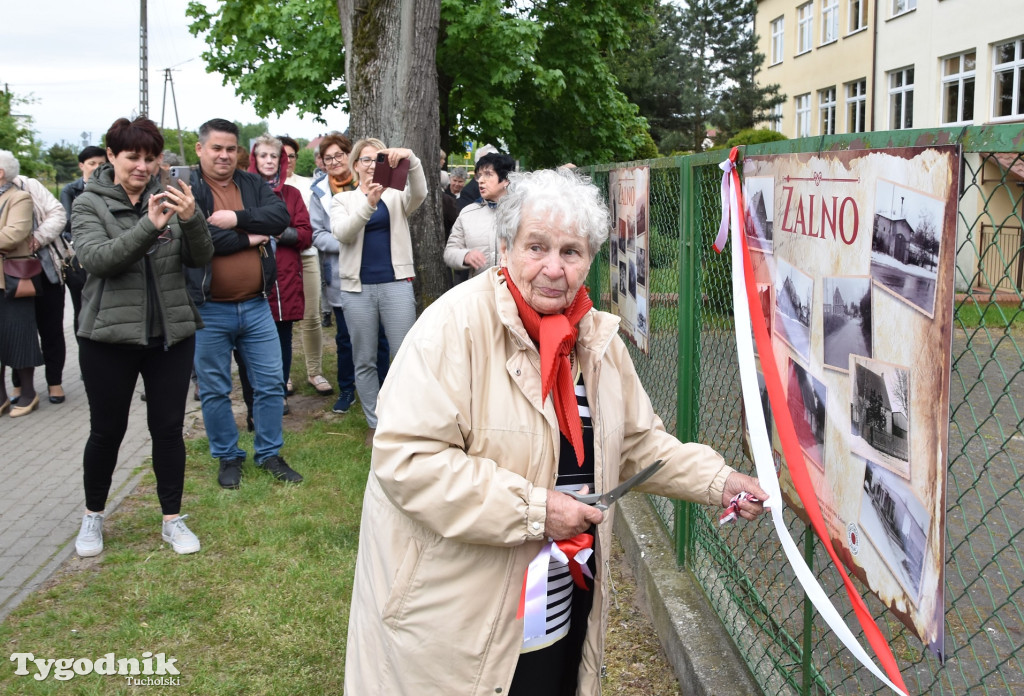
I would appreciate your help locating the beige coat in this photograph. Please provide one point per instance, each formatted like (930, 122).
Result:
(473, 230)
(15, 225)
(454, 510)
(350, 212)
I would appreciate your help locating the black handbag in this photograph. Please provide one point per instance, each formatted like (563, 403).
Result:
(22, 276)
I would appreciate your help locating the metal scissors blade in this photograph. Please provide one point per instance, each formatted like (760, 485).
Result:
(604, 500)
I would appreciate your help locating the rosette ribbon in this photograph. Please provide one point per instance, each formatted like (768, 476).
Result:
(533, 601)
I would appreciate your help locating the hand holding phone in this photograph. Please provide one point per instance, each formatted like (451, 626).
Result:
(182, 173)
(388, 176)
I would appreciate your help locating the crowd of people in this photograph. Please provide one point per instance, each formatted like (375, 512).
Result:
(526, 395)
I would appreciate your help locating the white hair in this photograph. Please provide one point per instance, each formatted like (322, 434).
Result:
(561, 196)
(9, 163)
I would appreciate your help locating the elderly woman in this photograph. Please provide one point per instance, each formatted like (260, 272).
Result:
(133, 237)
(473, 245)
(522, 390)
(375, 264)
(19, 344)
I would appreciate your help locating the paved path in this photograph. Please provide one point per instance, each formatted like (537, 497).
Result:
(41, 496)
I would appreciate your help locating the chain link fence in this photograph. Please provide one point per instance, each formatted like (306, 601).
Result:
(692, 378)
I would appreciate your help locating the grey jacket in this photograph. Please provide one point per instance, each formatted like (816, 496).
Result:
(112, 239)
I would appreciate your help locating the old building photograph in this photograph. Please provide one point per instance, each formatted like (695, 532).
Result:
(793, 295)
(806, 398)
(759, 198)
(880, 416)
(845, 319)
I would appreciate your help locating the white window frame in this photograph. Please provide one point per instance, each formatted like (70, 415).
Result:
(856, 106)
(803, 115)
(829, 21)
(827, 111)
(903, 94)
(1016, 68)
(960, 79)
(778, 27)
(858, 15)
(903, 6)
(775, 118)
(804, 28)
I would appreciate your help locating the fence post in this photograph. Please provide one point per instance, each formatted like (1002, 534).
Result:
(808, 639)
(687, 362)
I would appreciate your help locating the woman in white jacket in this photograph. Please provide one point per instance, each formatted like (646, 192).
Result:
(375, 263)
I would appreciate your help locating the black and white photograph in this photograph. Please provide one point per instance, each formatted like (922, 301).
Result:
(641, 218)
(896, 523)
(806, 398)
(766, 300)
(622, 235)
(759, 196)
(793, 294)
(880, 415)
(631, 234)
(905, 240)
(622, 279)
(845, 319)
(613, 252)
(641, 265)
(641, 314)
(632, 278)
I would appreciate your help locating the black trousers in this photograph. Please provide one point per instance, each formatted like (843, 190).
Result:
(110, 372)
(49, 306)
(554, 670)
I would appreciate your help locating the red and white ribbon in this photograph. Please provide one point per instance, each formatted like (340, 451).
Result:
(747, 313)
(533, 601)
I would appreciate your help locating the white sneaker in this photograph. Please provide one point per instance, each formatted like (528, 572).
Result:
(90, 536)
(180, 537)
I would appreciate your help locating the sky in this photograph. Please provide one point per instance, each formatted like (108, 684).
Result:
(80, 62)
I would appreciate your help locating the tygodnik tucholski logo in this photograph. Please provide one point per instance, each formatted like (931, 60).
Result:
(150, 670)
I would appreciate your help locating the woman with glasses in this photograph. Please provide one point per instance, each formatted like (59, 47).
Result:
(132, 237)
(334, 151)
(375, 263)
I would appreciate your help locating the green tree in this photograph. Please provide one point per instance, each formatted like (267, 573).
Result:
(64, 160)
(247, 132)
(754, 136)
(305, 162)
(528, 73)
(187, 145)
(17, 136)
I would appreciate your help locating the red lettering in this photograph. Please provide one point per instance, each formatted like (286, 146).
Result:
(842, 220)
(786, 227)
(799, 221)
(826, 219)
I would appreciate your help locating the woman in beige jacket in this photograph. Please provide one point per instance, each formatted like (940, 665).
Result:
(479, 433)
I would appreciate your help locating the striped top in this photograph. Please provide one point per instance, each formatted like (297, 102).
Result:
(571, 476)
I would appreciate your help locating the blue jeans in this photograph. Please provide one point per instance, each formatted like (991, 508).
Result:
(346, 368)
(248, 327)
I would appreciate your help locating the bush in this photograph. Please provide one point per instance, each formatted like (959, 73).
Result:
(754, 136)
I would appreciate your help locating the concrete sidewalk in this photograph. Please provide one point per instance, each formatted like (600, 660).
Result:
(41, 495)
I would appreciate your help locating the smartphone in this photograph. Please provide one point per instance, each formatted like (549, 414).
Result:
(183, 173)
(387, 177)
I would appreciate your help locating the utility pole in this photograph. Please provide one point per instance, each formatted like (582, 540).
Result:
(143, 61)
(169, 80)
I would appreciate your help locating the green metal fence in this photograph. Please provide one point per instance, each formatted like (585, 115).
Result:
(691, 375)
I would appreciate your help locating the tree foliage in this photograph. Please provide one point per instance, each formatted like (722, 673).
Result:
(305, 162)
(528, 73)
(17, 136)
(754, 136)
(694, 67)
(64, 160)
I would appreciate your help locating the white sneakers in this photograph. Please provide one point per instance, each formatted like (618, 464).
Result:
(174, 532)
(90, 536)
(180, 537)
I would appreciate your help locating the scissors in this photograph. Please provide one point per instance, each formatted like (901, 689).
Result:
(602, 501)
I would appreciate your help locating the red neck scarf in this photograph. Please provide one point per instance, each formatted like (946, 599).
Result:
(556, 334)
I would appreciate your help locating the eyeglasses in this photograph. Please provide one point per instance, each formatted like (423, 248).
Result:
(164, 238)
(366, 160)
(331, 159)
(292, 157)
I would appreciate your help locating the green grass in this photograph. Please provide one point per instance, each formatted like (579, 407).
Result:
(971, 315)
(261, 609)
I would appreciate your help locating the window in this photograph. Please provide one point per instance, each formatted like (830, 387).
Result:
(1008, 80)
(958, 88)
(775, 118)
(803, 115)
(827, 111)
(829, 21)
(901, 99)
(778, 35)
(901, 6)
(804, 27)
(858, 15)
(856, 106)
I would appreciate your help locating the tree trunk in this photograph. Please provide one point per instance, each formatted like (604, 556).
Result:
(391, 75)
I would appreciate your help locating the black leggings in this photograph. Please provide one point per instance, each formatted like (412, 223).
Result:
(110, 372)
(49, 306)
